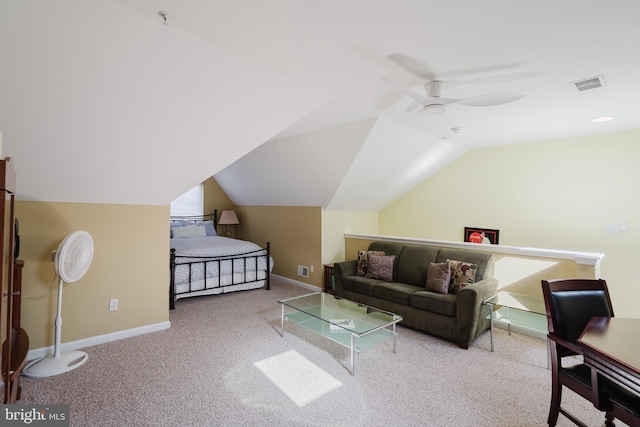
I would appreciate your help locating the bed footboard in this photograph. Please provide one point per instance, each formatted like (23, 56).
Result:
(219, 274)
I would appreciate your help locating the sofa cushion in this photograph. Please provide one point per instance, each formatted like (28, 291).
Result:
(363, 261)
(434, 303)
(389, 248)
(396, 292)
(412, 264)
(438, 276)
(361, 285)
(380, 267)
(462, 274)
(483, 260)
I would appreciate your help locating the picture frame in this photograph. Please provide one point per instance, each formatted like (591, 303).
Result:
(487, 236)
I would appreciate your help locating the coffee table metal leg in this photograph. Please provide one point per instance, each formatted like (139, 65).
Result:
(353, 360)
(394, 338)
(282, 322)
(491, 315)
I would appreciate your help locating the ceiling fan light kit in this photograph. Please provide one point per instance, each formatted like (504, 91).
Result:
(434, 109)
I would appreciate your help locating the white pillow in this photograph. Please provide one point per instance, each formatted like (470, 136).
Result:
(189, 231)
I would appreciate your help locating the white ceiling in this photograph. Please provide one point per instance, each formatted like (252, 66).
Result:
(284, 100)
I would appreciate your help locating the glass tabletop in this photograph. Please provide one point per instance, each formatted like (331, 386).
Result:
(341, 313)
(518, 302)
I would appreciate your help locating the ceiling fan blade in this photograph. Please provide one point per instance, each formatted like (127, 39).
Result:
(494, 99)
(413, 66)
(500, 78)
(420, 69)
(404, 89)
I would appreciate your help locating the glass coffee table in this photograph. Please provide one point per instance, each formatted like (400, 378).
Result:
(354, 325)
(517, 309)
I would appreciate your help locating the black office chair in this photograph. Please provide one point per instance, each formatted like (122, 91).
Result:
(570, 304)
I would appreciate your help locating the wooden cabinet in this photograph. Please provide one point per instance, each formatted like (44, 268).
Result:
(15, 342)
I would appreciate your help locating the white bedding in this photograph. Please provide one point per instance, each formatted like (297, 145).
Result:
(221, 272)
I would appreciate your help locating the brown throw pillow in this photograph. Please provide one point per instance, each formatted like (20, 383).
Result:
(380, 267)
(438, 277)
(362, 261)
(462, 274)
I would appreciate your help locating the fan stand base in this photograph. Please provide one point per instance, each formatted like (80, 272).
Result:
(51, 365)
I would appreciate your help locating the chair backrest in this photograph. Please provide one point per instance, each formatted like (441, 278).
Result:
(571, 303)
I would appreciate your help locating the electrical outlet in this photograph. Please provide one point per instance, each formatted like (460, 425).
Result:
(613, 228)
(113, 305)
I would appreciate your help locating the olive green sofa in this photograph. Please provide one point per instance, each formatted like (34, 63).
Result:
(457, 317)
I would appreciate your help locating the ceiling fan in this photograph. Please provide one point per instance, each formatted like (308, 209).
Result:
(434, 103)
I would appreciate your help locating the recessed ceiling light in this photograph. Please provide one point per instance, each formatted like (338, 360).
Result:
(602, 119)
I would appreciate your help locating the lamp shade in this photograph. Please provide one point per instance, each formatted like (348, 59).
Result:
(228, 217)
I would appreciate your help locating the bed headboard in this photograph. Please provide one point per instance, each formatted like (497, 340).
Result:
(195, 218)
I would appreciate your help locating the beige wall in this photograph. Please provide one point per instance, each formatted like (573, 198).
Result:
(294, 233)
(130, 263)
(558, 194)
(215, 197)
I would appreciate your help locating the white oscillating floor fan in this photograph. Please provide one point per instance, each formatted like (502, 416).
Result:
(72, 260)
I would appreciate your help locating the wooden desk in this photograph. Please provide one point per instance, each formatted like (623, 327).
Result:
(612, 349)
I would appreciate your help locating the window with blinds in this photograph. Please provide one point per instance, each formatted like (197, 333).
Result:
(190, 203)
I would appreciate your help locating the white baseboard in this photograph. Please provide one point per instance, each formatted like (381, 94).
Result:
(115, 336)
(297, 283)
(99, 339)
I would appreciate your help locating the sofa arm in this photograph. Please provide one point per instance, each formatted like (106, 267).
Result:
(342, 269)
(470, 315)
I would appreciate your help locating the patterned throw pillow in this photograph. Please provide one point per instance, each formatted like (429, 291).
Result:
(362, 260)
(462, 274)
(438, 277)
(380, 267)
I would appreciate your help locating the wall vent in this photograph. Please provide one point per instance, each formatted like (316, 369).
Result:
(590, 83)
(303, 271)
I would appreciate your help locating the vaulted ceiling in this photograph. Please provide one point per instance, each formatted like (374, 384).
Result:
(292, 102)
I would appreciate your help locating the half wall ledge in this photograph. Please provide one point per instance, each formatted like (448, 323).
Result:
(587, 264)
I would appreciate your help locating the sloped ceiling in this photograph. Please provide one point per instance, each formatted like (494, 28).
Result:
(283, 101)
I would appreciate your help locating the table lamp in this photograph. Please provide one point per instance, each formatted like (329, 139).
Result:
(228, 218)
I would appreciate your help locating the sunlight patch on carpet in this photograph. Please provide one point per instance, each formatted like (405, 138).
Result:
(298, 378)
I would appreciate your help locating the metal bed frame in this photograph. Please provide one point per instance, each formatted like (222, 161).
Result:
(247, 259)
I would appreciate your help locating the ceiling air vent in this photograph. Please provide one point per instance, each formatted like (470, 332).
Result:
(590, 83)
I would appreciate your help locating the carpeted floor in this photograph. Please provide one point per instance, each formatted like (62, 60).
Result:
(222, 361)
